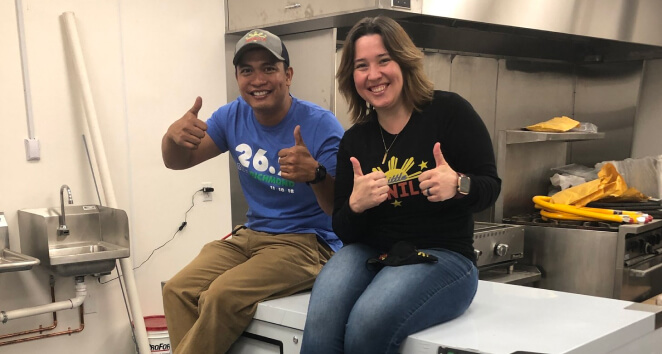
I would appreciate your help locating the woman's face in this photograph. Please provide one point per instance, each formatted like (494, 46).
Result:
(377, 77)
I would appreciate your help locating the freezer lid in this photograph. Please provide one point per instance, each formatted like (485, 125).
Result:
(504, 319)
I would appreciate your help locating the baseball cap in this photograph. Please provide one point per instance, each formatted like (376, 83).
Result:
(261, 38)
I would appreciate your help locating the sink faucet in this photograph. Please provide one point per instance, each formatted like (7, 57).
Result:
(63, 229)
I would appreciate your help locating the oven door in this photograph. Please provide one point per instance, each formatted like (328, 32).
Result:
(643, 279)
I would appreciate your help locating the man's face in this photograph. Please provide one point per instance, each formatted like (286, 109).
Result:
(264, 83)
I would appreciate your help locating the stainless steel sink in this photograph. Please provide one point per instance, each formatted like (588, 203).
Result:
(85, 252)
(78, 250)
(96, 237)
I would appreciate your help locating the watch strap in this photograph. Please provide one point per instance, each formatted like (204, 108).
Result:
(320, 174)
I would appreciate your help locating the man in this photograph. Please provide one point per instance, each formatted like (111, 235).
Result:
(285, 150)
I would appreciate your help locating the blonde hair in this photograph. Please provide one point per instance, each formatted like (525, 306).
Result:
(417, 89)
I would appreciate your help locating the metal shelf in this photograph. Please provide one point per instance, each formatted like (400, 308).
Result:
(524, 167)
(525, 136)
(519, 274)
(11, 261)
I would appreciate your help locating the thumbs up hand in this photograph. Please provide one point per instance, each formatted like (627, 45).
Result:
(298, 140)
(296, 162)
(188, 130)
(369, 190)
(439, 183)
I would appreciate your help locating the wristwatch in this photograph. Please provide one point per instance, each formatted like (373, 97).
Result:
(320, 174)
(463, 184)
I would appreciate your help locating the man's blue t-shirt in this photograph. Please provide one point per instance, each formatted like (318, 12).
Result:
(277, 205)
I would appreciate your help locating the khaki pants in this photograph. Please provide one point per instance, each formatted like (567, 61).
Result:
(212, 300)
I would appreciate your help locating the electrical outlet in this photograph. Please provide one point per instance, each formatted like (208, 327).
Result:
(206, 196)
(32, 149)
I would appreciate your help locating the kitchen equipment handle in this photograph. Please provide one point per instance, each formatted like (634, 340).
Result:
(637, 273)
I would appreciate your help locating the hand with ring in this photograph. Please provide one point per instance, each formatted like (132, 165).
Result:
(442, 178)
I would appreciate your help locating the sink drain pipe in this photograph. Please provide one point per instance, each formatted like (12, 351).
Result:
(99, 162)
(81, 293)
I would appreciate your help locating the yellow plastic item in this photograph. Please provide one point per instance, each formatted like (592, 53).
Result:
(555, 125)
(609, 183)
(570, 204)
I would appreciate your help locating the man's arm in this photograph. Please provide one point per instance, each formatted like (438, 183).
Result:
(324, 193)
(298, 165)
(185, 143)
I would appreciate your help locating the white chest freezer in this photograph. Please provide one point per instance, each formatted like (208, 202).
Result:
(503, 319)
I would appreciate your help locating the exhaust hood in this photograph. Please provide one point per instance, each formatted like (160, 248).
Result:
(568, 30)
(633, 21)
(578, 31)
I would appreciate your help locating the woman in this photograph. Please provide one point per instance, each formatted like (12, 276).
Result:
(410, 174)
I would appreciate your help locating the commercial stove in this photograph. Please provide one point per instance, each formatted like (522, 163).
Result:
(619, 261)
(497, 243)
(498, 249)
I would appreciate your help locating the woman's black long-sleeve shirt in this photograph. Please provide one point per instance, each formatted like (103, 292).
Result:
(407, 214)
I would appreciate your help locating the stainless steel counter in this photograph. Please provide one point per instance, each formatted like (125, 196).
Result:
(11, 261)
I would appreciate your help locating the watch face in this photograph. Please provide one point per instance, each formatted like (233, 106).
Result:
(320, 172)
(320, 175)
(463, 184)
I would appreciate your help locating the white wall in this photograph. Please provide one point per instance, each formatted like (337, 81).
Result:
(147, 61)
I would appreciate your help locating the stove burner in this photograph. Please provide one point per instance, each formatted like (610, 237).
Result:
(536, 220)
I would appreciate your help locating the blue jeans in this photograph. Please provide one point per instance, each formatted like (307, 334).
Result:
(355, 310)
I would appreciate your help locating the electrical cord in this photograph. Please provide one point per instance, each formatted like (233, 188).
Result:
(180, 228)
(119, 275)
